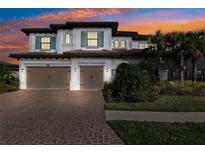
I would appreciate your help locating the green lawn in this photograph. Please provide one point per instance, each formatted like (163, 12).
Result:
(153, 133)
(164, 103)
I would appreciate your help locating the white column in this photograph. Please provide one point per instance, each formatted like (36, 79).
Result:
(75, 75)
(107, 70)
(22, 75)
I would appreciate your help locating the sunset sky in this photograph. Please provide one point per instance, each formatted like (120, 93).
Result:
(145, 21)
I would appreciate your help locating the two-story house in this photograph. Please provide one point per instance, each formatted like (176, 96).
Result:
(76, 55)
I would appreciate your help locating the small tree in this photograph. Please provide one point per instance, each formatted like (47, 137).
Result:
(131, 83)
(158, 45)
(196, 48)
(177, 43)
(4, 73)
(7, 81)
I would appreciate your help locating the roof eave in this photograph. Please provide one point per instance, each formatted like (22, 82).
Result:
(28, 31)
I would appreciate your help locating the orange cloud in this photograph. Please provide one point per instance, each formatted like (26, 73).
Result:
(166, 26)
(78, 14)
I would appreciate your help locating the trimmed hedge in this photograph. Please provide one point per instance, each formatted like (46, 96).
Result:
(182, 88)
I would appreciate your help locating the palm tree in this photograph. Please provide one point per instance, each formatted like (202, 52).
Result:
(159, 47)
(195, 48)
(198, 52)
(177, 43)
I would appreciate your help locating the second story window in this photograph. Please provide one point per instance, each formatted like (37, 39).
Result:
(119, 44)
(116, 44)
(45, 43)
(143, 45)
(67, 38)
(92, 39)
(122, 44)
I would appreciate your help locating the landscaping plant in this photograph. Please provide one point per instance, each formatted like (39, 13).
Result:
(130, 84)
(185, 88)
(7, 81)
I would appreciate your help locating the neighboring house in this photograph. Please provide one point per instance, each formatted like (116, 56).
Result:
(200, 69)
(76, 55)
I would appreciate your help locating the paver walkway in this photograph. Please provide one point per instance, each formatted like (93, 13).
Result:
(54, 117)
(156, 116)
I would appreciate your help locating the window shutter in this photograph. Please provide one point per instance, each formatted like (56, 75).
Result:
(53, 42)
(83, 39)
(101, 39)
(38, 42)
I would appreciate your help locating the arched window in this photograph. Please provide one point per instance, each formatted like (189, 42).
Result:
(122, 44)
(116, 44)
(67, 38)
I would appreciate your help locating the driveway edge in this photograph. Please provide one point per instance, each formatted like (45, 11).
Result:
(155, 116)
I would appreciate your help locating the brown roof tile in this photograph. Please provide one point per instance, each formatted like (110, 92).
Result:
(36, 55)
(117, 53)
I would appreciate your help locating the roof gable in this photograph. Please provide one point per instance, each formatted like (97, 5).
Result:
(85, 24)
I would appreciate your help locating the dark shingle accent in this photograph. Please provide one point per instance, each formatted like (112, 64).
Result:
(134, 35)
(89, 24)
(36, 55)
(27, 31)
(117, 53)
(84, 24)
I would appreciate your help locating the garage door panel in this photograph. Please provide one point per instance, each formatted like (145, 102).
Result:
(91, 77)
(35, 77)
(48, 77)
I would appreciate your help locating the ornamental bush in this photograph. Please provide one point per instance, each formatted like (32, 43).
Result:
(130, 84)
(8, 82)
(183, 88)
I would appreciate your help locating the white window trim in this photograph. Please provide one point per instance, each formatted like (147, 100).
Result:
(65, 39)
(119, 44)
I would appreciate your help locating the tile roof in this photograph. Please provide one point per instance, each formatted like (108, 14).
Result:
(27, 31)
(134, 35)
(117, 53)
(86, 24)
(91, 24)
(36, 55)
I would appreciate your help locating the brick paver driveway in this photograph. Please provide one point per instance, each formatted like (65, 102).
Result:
(54, 117)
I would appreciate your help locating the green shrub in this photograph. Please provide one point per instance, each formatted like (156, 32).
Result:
(130, 84)
(7, 81)
(155, 90)
(12, 86)
(107, 91)
(183, 88)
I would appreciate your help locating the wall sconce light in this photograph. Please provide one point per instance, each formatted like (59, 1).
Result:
(75, 69)
(106, 69)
